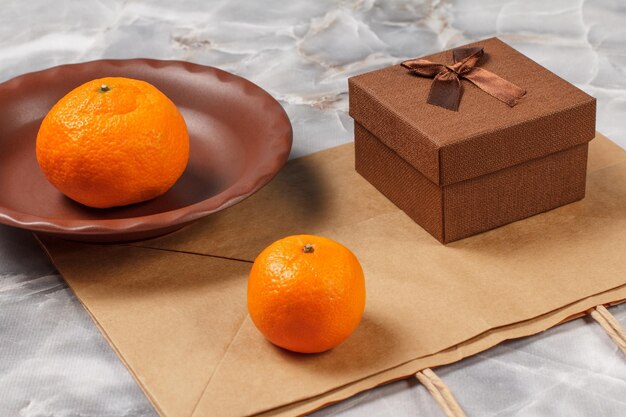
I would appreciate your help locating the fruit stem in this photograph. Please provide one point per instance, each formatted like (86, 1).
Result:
(308, 248)
(104, 88)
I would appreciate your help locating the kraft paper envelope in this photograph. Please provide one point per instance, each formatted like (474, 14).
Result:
(174, 308)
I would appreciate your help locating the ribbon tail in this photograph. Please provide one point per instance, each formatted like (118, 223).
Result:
(495, 86)
(445, 92)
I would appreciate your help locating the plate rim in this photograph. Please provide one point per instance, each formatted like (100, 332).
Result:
(281, 142)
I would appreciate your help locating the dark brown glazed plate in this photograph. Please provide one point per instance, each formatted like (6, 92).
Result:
(240, 137)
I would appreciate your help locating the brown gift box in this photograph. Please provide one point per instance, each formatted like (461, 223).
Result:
(459, 173)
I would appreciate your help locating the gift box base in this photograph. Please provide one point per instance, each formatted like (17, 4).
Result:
(466, 208)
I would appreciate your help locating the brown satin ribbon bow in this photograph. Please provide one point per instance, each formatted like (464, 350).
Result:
(445, 90)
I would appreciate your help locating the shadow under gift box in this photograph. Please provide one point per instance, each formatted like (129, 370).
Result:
(461, 173)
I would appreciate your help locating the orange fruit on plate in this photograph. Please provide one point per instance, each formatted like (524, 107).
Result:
(306, 293)
(112, 142)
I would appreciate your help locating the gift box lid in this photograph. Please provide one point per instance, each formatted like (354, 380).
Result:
(485, 134)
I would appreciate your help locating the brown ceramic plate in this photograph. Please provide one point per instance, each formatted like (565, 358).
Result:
(240, 138)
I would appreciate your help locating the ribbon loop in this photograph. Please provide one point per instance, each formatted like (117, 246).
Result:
(463, 54)
(445, 90)
(423, 67)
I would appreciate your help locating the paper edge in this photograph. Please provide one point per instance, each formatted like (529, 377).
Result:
(153, 401)
(408, 369)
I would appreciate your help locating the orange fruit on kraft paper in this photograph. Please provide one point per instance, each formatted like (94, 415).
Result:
(306, 293)
(112, 142)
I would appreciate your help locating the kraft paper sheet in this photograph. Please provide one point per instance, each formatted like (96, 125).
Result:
(174, 308)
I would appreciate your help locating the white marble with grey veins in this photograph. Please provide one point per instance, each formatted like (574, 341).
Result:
(54, 362)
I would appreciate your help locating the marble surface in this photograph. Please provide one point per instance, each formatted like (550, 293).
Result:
(54, 362)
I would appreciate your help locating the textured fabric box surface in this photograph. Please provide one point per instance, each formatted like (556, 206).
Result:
(468, 207)
(461, 173)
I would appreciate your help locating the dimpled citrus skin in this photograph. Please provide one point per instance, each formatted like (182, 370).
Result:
(306, 302)
(113, 146)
